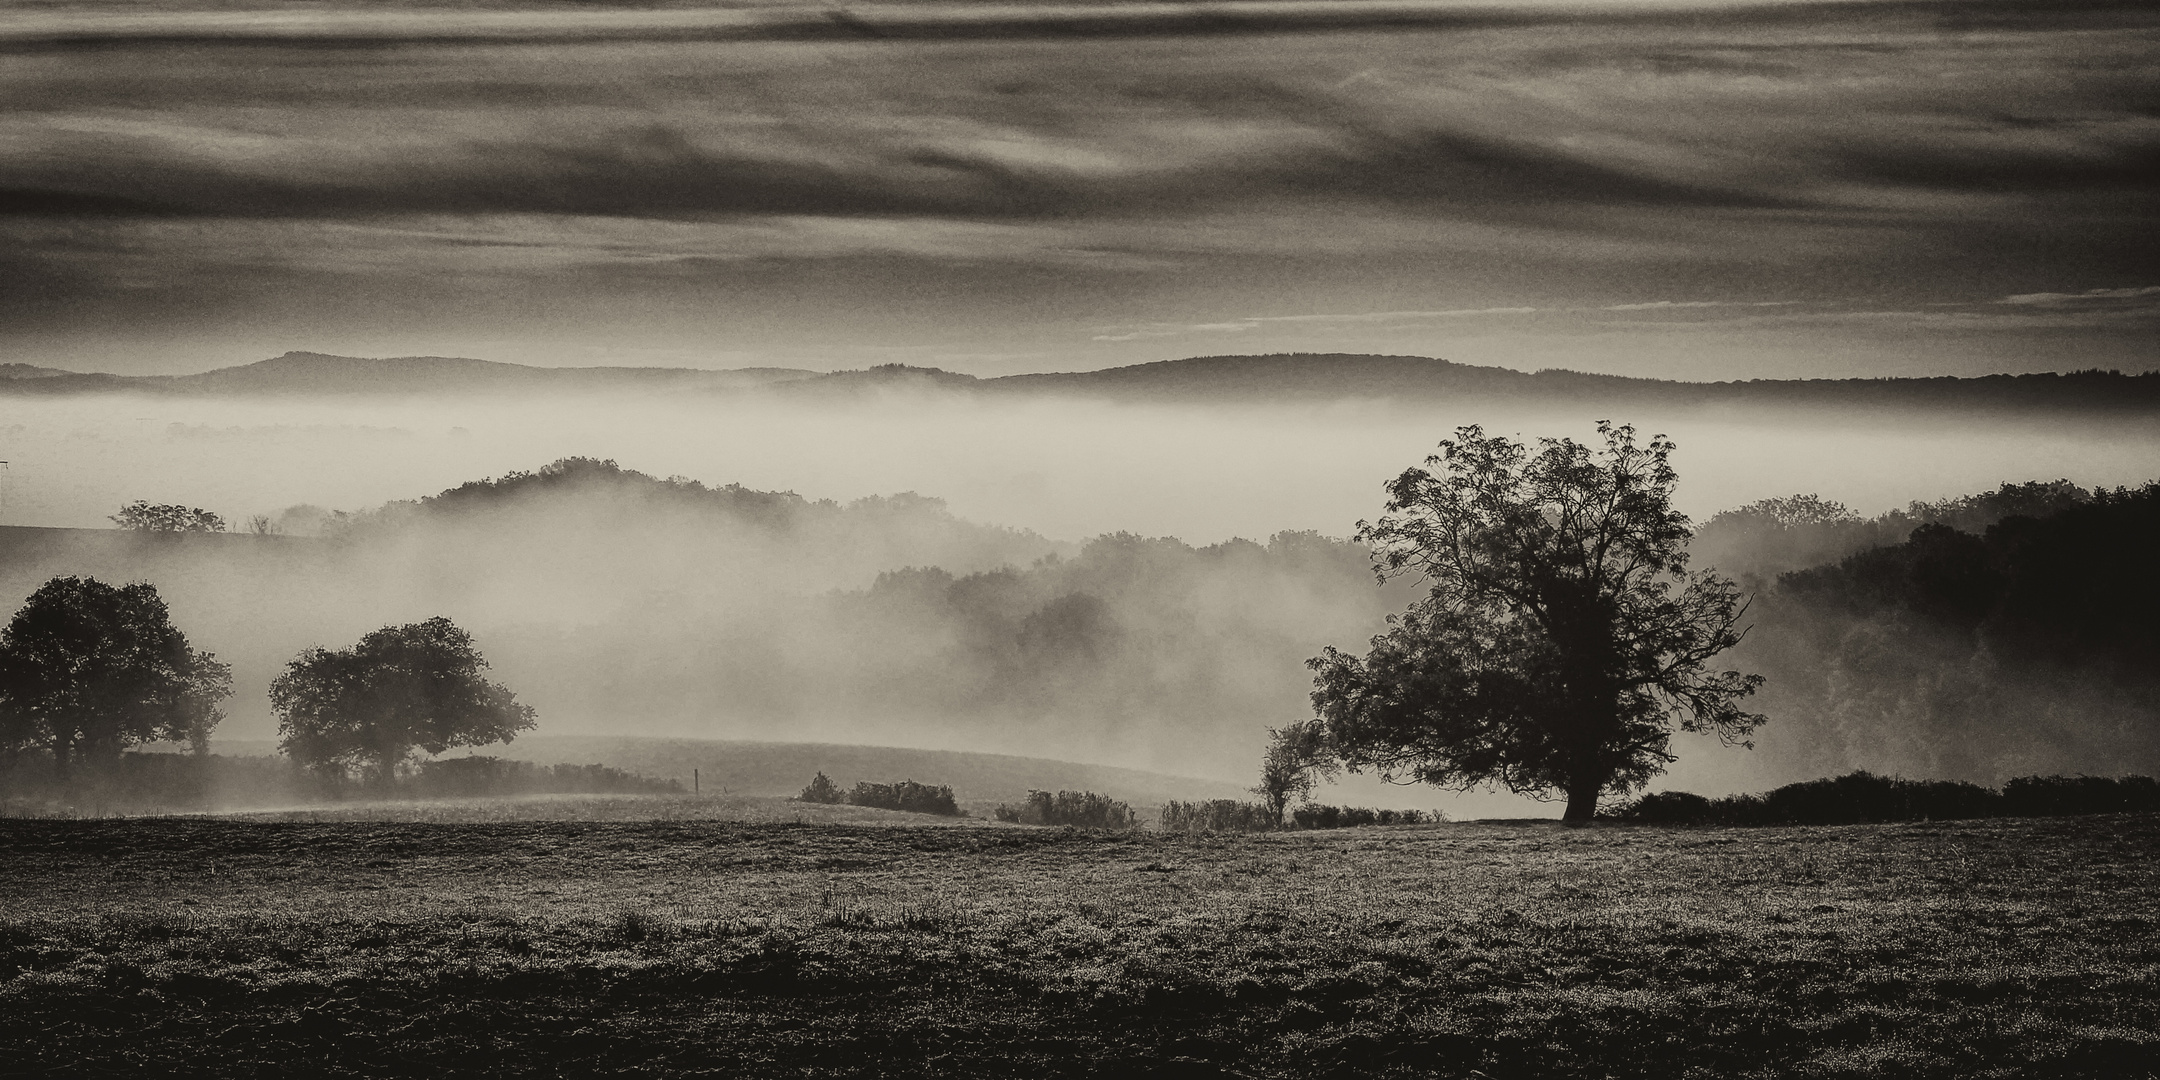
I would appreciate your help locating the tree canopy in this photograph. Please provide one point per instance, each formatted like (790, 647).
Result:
(401, 687)
(89, 669)
(141, 516)
(1563, 638)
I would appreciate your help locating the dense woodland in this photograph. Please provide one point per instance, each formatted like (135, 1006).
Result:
(2005, 634)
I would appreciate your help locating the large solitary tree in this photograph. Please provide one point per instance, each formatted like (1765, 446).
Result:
(89, 669)
(368, 707)
(1563, 639)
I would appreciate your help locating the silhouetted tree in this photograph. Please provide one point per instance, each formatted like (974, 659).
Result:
(401, 687)
(1297, 755)
(167, 517)
(88, 669)
(1563, 635)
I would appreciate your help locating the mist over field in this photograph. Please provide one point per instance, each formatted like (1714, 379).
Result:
(1123, 583)
(1066, 468)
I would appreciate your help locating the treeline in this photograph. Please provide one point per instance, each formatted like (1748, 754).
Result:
(2023, 646)
(1859, 798)
(1757, 542)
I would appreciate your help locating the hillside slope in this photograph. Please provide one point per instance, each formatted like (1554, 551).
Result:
(742, 767)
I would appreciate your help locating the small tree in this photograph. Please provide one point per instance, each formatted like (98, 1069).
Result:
(822, 790)
(167, 518)
(1563, 634)
(1296, 758)
(89, 669)
(401, 687)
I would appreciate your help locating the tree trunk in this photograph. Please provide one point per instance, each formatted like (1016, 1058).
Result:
(1581, 804)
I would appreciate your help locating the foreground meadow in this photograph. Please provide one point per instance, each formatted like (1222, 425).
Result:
(229, 947)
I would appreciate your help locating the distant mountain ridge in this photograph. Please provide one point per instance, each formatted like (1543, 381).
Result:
(1283, 377)
(322, 373)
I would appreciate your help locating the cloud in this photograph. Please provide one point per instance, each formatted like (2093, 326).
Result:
(1661, 305)
(1257, 321)
(2142, 296)
(1133, 167)
(37, 30)
(1393, 316)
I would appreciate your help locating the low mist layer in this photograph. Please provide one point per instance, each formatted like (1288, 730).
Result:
(1066, 468)
(620, 603)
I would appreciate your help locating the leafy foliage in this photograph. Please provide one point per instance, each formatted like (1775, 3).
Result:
(88, 669)
(401, 687)
(141, 516)
(1297, 757)
(1078, 809)
(1563, 635)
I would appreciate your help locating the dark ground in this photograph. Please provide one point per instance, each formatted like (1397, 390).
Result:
(217, 947)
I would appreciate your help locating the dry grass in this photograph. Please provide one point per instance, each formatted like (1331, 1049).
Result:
(1976, 948)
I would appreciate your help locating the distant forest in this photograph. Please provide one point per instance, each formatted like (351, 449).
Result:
(1976, 638)
(1981, 638)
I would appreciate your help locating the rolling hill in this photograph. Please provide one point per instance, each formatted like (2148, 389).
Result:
(318, 373)
(782, 768)
(1297, 377)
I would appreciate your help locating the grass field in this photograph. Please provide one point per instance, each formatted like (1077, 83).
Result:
(735, 809)
(355, 947)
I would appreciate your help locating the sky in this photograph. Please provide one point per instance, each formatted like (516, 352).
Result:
(1695, 190)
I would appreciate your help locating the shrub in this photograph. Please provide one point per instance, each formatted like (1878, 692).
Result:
(1216, 815)
(1666, 808)
(822, 790)
(1318, 816)
(1079, 809)
(906, 795)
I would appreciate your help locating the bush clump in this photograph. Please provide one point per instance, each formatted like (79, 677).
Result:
(1216, 815)
(1318, 816)
(1863, 798)
(822, 790)
(906, 795)
(1079, 809)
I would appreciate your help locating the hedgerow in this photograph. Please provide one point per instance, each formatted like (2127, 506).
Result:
(1080, 809)
(1862, 797)
(1318, 816)
(906, 795)
(1216, 815)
